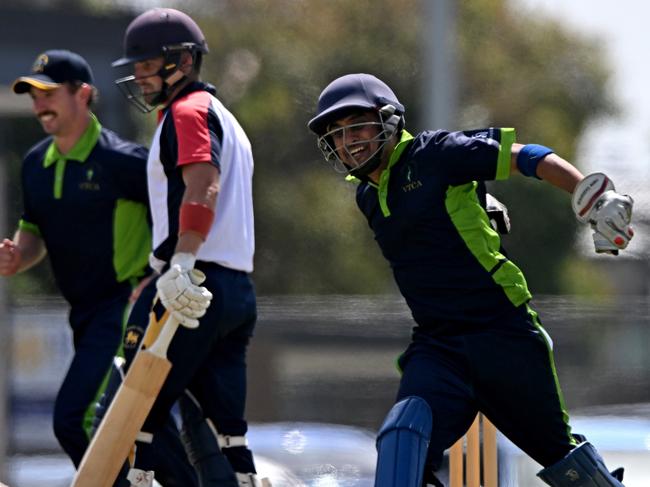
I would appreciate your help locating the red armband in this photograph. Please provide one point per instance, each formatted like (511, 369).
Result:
(195, 217)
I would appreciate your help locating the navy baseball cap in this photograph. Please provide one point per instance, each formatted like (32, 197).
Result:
(52, 68)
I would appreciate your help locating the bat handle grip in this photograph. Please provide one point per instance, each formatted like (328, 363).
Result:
(161, 344)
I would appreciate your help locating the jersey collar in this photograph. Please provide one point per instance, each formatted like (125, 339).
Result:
(382, 188)
(394, 157)
(81, 149)
(186, 90)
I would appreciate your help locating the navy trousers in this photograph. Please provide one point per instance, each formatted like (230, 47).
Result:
(504, 370)
(97, 333)
(209, 361)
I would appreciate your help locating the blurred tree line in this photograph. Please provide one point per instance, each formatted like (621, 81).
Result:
(269, 60)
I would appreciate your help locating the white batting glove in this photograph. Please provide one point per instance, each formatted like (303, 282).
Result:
(596, 202)
(156, 264)
(180, 291)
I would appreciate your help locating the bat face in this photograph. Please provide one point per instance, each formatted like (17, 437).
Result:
(129, 409)
(124, 419)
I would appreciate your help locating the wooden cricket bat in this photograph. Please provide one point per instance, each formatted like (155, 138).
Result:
(128, 411)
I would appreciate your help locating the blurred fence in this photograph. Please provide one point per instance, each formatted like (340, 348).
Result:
(331, 358)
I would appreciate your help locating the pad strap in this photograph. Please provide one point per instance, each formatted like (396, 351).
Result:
(226, 441)
(144, 437)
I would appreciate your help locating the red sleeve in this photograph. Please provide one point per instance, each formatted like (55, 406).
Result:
(192, 130)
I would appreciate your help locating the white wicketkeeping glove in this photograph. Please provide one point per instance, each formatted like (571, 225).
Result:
(596, 202)
(180, 291)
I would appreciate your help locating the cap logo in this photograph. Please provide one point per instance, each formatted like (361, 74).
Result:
(40, 63)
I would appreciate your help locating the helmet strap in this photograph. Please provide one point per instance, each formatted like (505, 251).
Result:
(172, 74)
(160, 98)
(369, 167)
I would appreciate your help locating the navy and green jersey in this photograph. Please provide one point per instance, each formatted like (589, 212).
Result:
(90, 208)
(429, 220)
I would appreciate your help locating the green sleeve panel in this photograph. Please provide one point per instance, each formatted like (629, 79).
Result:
(505, 154)
(29, 227)
(549, 346)
(483, 241)
(132, 239)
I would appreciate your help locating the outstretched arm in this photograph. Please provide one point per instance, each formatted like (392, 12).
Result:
(594, 201)
(551, 168)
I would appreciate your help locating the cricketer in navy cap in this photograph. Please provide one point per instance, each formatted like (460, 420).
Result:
(53, 68)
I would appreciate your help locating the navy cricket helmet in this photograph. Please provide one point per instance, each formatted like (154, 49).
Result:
(352, 91)
(160, 32)
(341, 98)
(155, 31)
